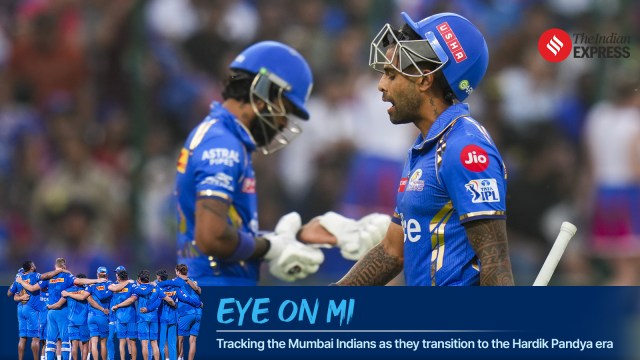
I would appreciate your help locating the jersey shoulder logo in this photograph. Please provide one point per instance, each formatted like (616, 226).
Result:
(183, 160)
(249, 186)
(54, 281)
(483, 190)
(474, 158)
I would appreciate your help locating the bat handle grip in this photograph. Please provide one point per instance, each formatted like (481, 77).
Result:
(567, 231)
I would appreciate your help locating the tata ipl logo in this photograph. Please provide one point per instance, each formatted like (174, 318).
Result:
(554, 45)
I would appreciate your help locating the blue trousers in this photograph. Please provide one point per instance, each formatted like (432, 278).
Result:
(57, 322)
(111, 341)
(169, 336)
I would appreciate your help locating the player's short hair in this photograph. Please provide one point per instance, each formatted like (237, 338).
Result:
(183, 269)
(123, 275)
(61, 263)
(144, 275)
(81, 276)
(162, 274)
(27, 265)
(237, 86)
(103, 275)
(440, 82)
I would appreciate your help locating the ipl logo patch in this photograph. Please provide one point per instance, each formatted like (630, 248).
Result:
(483, 190)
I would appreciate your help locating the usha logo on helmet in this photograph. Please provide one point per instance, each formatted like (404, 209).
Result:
(448, 41)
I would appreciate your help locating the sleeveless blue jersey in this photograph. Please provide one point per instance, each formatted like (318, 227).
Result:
(215, 162)
(452, 176)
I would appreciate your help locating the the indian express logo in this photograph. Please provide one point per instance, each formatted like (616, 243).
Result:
(555, 45)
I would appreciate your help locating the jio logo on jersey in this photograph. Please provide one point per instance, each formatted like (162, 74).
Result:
(474, 158)
(483, 190)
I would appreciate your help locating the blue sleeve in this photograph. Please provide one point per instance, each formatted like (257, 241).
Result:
(218, 165)
(156, 301)
(172, 283)
(68, 280)
(101, 295)
(142, 291)
(473, 173)
(192, 300)
(43, 285)
(14, 288)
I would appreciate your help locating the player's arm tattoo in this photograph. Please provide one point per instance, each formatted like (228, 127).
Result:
(377, 267)
(489, 241)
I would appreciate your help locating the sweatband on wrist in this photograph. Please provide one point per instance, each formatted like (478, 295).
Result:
(246, 247)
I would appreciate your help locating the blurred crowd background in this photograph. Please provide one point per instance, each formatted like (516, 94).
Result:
(97, 97)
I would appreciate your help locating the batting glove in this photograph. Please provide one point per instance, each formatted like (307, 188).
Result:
(289, 259)
(356, 238)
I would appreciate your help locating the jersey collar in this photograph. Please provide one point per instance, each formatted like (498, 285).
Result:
(443, 121)
(233, 124)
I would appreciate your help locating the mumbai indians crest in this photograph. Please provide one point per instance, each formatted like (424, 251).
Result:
(415, 184)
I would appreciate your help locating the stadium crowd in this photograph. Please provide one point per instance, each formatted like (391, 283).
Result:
(96, 98)
(70, 315)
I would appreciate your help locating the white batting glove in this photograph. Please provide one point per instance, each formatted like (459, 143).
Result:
(289, 259)
(356, 238)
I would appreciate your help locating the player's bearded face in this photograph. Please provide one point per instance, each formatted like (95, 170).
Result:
(403, 94)
(262, 133)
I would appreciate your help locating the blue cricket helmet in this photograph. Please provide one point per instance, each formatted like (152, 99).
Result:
(459, 45)
(286, 64)
(119, 268)
(102, 270)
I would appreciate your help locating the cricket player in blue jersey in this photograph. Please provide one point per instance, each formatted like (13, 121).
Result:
(126, 317)
(189, 308)
(99, 299)
(42, 320)
(449, 223)
(57, 317)
(149, 299)
(168, 335)
(78, 328)
(113, 338)
(32, 308)
(20, 297)
(215, 184)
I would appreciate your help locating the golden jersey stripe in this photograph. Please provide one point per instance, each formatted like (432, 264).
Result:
(213, 193)
(482, 213)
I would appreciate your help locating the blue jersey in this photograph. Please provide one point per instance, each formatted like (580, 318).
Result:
(34, 296)
(78, 310)
(126, 314)
(181, 287)
(452, 176)
(147, 296)
(56, 285)
(216, 163)
(168, 314)
(102, 295)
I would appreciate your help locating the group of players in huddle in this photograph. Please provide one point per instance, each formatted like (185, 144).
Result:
(65, 314)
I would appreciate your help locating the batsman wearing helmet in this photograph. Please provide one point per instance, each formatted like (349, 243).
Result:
(448, 227)
(215, 186)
